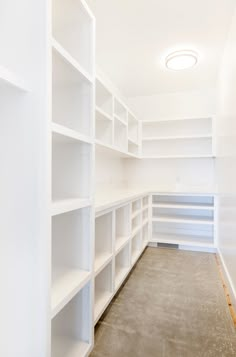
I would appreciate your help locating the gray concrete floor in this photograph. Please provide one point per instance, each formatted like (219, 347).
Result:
(172, 305)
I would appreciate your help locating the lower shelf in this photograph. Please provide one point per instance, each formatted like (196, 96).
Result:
(102, 299)
(65, 287)
(120, 243)
(66, 347)
(120, 276)
(181, 239)
(101, 261)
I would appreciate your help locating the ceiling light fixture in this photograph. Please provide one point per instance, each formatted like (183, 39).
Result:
(181, 60)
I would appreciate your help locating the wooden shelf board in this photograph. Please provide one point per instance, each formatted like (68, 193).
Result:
(70, 60)
(183, 219)
(68, 205)
(69, 283)
(102, 299)
(68, 347)
(121, 243)
(103, 114)
(101, 262)
(68, 134)
(11, 79)
(184, 206)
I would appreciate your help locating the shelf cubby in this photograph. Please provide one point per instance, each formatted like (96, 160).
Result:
(122, 226)
(69, 160)
(136, 247)
(71, 327)
(103, 291)
(120, 135)
(72, 96)
(120, 110)
(72, 27)
(103, 240)
(71, 260)
(122, 265)
(104, 99)
(104, 130)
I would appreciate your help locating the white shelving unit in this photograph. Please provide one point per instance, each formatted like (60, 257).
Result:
(117, 130)
(113, 230)
(183, 220)
(73, 88)
(178, 138)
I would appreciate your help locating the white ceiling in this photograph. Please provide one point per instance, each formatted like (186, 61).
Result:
(133, 37)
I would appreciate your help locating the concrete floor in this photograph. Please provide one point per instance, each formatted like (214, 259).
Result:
(172, 305)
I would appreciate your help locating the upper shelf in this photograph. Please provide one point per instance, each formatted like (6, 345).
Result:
(11, 79)
(69, 59)
(73, 28)
(157, 138)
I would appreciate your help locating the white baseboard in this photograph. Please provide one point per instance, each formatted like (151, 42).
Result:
(230, 285)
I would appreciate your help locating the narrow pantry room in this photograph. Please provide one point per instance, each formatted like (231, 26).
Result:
(118, 194)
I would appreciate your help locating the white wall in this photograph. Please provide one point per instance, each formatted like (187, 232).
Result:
(186, 175)
(180, 174)
(109, 172)
(226, 152)
(179, 104)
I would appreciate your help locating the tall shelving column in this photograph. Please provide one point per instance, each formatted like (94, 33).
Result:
(24, 228)
(73, 88)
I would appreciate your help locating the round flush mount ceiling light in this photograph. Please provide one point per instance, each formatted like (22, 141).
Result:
(181, 60)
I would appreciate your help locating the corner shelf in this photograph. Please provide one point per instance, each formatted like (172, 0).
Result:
(189, 138)
(183, 219)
